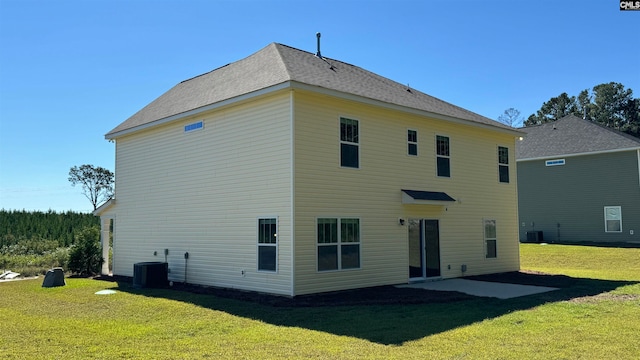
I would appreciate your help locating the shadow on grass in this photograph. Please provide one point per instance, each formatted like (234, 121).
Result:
(384, 315)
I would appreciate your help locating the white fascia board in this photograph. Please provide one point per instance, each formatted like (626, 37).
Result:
(369, 101)
(320, 90)
(200, 110)
(578, 154)
(104, 207)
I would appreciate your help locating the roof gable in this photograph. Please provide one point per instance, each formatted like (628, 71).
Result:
(255, 72)
(571, 135)
(278, 64)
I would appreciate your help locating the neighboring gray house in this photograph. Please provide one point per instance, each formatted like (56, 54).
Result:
(578, 182)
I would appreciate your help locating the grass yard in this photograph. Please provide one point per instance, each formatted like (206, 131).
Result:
(596, 316)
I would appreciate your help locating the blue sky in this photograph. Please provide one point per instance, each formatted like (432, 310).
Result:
(70, 71)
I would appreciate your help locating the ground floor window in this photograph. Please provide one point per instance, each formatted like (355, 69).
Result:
(338, 242)
(267, 244)
(613, 219)
(490, 238)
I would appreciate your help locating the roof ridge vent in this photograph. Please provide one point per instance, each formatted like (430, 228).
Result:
(319, 55)
(318, 52)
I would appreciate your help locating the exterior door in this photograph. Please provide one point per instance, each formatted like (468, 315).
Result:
(432, 247)
(424, 248)
(416, 253)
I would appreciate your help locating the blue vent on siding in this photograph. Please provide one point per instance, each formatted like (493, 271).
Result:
(555, 162)
(193, 127)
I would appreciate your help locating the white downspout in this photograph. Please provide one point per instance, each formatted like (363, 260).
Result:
(292, 217)
(105, 224)
(638, 152)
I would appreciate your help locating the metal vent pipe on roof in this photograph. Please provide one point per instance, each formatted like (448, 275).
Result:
(318, 52)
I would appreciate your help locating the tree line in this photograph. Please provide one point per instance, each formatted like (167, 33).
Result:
(609, 104)
(42, 227)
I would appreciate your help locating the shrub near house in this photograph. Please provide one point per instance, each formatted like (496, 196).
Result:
(85, 257)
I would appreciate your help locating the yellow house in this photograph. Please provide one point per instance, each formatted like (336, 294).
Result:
(290, 173)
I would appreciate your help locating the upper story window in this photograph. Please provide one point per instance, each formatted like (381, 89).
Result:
(503, 164)
(613, 219)
(267, 244)
(349, 143)
(443, 156)
(412, 142)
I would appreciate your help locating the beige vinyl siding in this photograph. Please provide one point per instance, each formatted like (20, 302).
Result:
(202, 192)
(372, 193)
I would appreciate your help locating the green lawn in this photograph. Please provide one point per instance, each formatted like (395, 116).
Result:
(597, 317)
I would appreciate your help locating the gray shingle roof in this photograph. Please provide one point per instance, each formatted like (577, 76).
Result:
(278, 64)
(569, 136)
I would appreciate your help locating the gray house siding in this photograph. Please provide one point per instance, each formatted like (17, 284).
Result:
(567, 202)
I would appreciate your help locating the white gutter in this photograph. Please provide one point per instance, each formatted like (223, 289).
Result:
(199, 110)
(402, 108)
(579, 154)
(315, 89)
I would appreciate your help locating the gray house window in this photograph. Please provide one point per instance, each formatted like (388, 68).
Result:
(443, 156)
(349, 143)
(613, 219)
(267, 244)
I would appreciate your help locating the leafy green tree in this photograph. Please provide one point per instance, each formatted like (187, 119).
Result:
(97, 182)
(554, 109)
(584, 101)
(85, 257)
(632, 111)
(609, 104)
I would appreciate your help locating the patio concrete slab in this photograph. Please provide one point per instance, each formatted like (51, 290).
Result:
(481, 288)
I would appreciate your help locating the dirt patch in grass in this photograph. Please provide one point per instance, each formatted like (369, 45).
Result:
(527, 277)
(605, 297)
(378, 295)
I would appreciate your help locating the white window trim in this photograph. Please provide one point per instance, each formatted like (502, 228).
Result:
(348, 142)
(508, 164)
(485, 238)
(435, 142)
(413, 142)
(258, 244)
(606, 230)
(339, 243)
